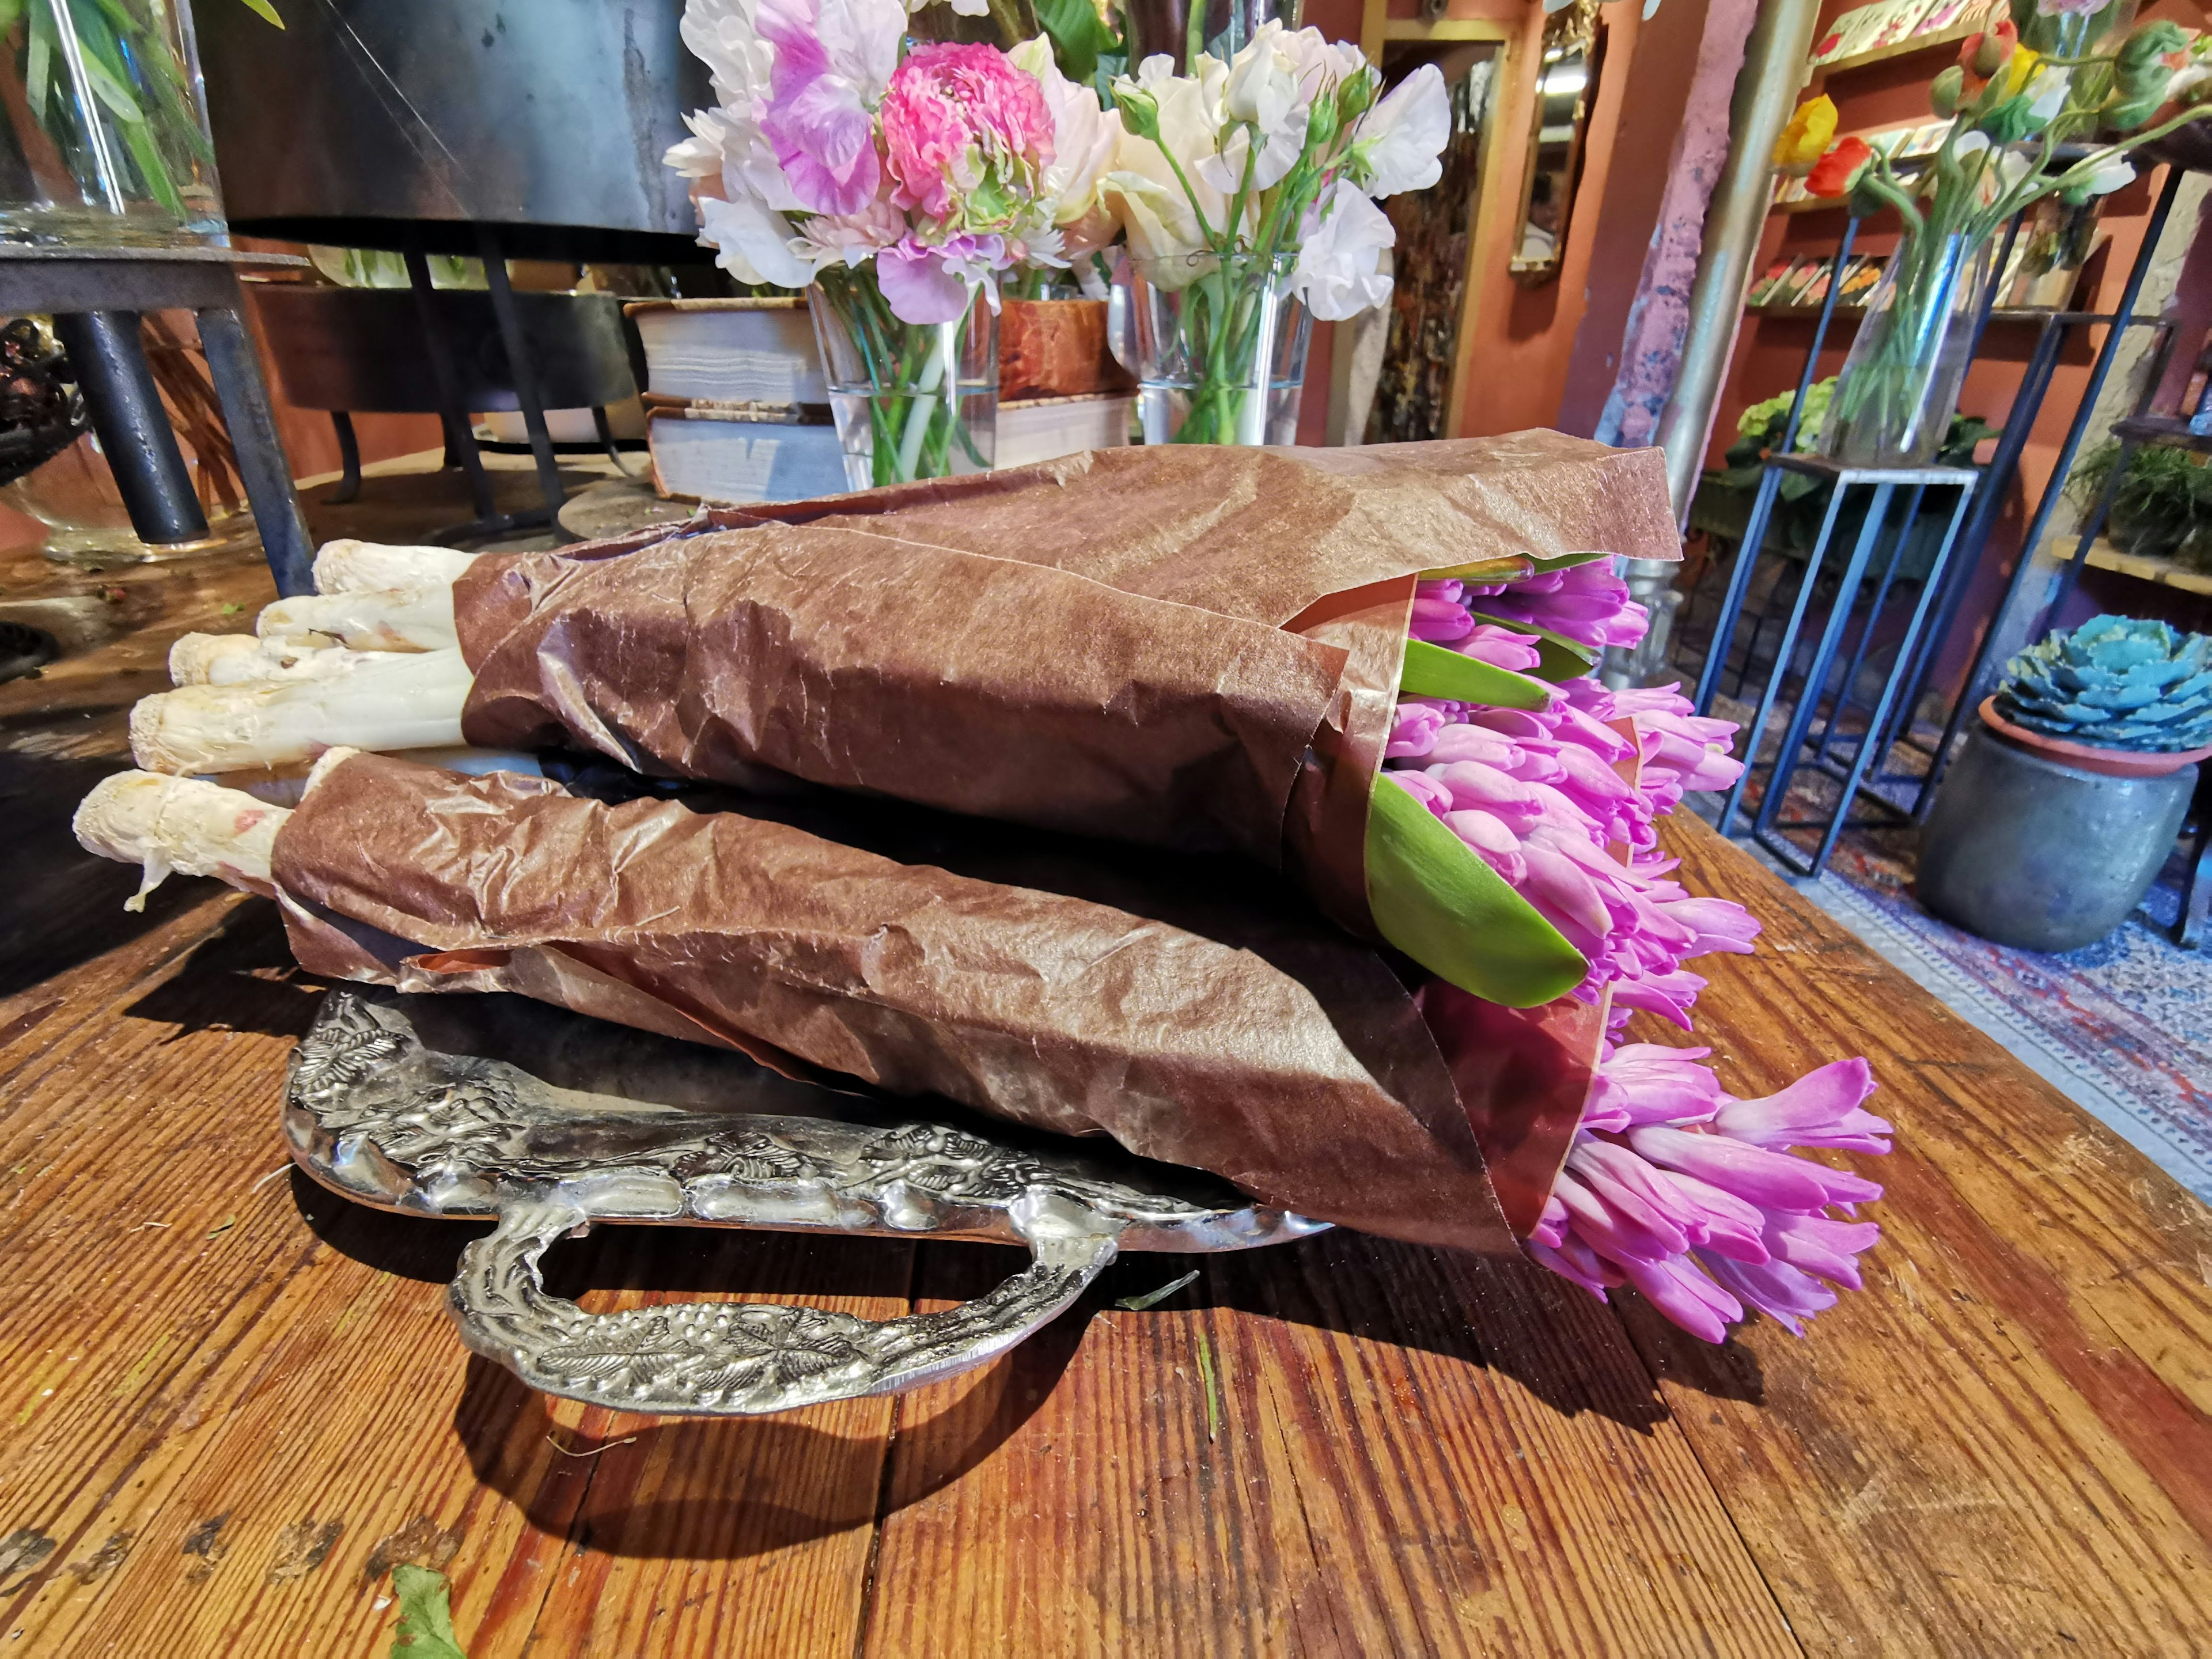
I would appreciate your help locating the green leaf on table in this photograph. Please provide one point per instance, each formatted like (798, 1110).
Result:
(1432, 671)
(263, 8)
(1563, 658)
(1443, 906)
(426, 1616)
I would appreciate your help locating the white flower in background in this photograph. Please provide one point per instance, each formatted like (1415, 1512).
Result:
(2050, 95)
(721, 35)
(1085, 139)
(754, 241)
(1401, 141)
(1156, 216)
(2109, 176)
(1343, 268)
(1263, 80)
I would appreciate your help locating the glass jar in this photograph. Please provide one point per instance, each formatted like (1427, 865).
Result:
(106, 141)
(1221, 348)
(1899, 386)
(911, 400)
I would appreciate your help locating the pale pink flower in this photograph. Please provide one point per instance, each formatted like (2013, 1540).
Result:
(928, 283)
(833, 57)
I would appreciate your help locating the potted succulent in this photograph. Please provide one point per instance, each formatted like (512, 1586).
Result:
(2063, 804)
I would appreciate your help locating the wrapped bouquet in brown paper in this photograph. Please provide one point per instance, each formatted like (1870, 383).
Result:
(1367, 667)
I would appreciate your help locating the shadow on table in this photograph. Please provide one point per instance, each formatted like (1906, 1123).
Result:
(710, 1489)
(241, 978)
(61, 906)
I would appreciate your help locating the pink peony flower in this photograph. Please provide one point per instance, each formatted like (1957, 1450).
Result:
(967, 135)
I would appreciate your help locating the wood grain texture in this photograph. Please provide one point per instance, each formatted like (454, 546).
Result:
(233, 1402)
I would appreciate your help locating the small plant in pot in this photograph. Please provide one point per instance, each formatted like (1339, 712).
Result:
(2064, 804)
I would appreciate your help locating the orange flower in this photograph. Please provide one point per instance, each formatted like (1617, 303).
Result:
(1983, 55)
(1834, 173)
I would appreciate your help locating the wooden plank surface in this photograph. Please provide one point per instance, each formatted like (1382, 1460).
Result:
(234, 1402)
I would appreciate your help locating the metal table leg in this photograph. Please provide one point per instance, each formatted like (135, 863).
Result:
(133, 425)
(262, 465)
(2196, 881)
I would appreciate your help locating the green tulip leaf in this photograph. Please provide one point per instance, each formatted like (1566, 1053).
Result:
(1432, 671)
(1567, 561)
(263, 8)
(1434, 899)
(1512, 570)
(1563, 658)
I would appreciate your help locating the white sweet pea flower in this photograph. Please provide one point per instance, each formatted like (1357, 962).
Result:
(2050, 95)
(755, 242)
(1401, 140)
(1263, 80)
(1972, 143)
(2109, 175)
(1342, 268)
(721, 34)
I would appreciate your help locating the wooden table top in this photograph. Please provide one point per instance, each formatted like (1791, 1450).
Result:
(236, 1401)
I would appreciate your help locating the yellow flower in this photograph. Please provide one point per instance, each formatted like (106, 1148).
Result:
(2019, 69)
(1805, 140)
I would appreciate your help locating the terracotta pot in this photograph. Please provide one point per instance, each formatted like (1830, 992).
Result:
(1056, 349)
(2111, 763)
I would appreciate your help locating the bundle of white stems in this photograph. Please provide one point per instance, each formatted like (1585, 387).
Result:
(369, 661)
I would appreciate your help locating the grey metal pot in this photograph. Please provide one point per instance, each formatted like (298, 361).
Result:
(2025, 850)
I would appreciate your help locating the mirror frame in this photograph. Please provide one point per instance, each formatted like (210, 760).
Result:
(1576, 26)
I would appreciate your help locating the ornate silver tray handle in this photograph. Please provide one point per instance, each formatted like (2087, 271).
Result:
(413, 1104)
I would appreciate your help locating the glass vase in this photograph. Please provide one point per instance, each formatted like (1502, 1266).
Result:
(106, 141)
(911, 400)
(1900, 386)
(1221, 348)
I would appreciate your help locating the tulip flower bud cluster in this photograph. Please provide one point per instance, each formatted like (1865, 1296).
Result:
(1693, 1196)
(1671, 1186)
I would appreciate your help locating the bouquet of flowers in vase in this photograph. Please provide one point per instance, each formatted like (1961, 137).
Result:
(1247, 189)
(895, 179)
(2023, 98)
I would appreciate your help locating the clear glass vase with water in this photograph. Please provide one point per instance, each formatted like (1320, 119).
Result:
(911, 400)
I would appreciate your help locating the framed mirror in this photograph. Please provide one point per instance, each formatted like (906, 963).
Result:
(1566, 91)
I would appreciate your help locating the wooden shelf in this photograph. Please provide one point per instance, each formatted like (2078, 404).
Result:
(2165, 571)
(1905, 48)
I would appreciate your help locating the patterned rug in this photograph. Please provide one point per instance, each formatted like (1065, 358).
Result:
(2123, 1027)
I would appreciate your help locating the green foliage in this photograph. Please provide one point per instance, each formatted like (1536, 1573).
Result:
(1434, 899)
(1432, 671)
(2115, 682)
(426, 1619)
(2163, 507)
(1079, 35)
(1723, 502)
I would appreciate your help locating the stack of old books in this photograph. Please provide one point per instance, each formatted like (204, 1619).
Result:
(736, 406)
(738, 409)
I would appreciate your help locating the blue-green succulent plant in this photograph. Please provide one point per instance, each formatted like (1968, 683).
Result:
(2115, 682)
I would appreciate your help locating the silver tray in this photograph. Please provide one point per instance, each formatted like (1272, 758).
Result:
(496, 1107)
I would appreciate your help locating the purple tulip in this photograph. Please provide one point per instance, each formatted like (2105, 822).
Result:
(1462, 742)
(1424, 789)
(1439, 621)
(1821, 1108)
(1775, 1288)
(1477, 787)
(1650, 1083)
(1414, 730)
(1828, 1249)
(1685, 1297)
(1571, 1259)
(1774, 1181)
(1501, 648)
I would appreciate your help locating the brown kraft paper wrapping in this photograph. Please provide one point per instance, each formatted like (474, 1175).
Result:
(1299, 1068)
(1186, 647)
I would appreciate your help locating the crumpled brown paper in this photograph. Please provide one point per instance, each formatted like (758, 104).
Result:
(1193, 1011)
(1187, 647)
